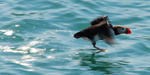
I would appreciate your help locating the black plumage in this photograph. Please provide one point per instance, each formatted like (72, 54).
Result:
(100, 29)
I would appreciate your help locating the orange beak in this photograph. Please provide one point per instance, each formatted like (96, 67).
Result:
(128, 31)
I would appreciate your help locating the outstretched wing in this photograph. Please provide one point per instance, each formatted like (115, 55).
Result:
(98, 20)
(109, 37)
(106, 29)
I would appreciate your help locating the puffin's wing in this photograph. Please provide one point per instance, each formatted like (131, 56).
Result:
(109, 39)
(99, 20)
(109, 36)
(106, 32)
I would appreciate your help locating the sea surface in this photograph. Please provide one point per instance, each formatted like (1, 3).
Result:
(36, 37)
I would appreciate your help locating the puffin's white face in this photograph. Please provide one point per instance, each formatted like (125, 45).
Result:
(121, 30)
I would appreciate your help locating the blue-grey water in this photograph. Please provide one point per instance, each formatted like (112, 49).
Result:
(36, 37)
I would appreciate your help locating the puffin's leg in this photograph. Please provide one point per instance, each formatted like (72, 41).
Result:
(101, 50)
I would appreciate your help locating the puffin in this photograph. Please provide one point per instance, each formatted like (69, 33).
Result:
(102, 29)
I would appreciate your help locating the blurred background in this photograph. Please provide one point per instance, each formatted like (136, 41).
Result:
(36, 37)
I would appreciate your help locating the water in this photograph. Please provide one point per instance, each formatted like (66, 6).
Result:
(36, 38)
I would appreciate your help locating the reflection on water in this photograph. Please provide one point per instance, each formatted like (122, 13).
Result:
(103, 63)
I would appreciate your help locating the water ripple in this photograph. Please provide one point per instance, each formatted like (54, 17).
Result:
(37, 38)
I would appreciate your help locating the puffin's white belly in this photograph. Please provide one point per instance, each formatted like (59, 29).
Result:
(96, 38)
(85, 38)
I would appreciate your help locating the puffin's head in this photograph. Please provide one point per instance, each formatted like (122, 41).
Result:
(122, 30)
(78, 35)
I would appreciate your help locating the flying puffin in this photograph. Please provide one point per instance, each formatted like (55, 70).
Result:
(102, 29)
